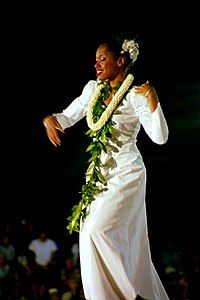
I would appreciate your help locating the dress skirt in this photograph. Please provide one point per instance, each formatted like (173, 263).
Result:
(114, 247)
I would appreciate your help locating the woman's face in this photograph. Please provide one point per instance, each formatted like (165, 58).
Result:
(107, 65)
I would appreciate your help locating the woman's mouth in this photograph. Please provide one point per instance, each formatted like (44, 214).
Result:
(99, 72)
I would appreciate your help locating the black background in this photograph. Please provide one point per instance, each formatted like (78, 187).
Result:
(48, 56)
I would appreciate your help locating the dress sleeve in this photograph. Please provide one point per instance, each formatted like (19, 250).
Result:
(154, 123)
(78, 108)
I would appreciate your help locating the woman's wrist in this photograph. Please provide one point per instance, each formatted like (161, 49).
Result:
(148, 92)
(152, 99)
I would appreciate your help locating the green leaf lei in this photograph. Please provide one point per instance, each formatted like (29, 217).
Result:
(95, 181)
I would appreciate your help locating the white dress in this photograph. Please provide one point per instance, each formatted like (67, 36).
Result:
(114, 246)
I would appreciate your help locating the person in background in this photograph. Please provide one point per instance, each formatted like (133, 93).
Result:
(7, 247)
(110, 217)
(5, 272)
(75, 253)
(44, 250)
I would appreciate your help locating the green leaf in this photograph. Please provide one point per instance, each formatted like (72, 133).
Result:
(99, 143)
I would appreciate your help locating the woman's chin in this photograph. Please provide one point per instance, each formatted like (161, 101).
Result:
(100, 76)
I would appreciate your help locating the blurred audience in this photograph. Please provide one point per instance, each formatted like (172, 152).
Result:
(35, 266)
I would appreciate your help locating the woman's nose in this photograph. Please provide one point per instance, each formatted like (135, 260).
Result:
(96, 65)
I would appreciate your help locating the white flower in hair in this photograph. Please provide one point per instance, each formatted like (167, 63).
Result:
(132, 47)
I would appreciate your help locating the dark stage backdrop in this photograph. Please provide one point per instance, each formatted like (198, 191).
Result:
(48, 56)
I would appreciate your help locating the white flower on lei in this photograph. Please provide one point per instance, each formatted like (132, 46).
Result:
(132, 47)
(111, 106)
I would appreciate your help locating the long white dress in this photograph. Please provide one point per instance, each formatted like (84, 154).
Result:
(114, 246)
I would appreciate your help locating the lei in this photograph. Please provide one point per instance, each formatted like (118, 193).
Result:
(110, 108)
(100, 123)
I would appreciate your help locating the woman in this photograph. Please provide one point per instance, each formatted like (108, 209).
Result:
(111, 215)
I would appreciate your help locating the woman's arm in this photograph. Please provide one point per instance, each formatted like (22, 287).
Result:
(69, 116)
(149, 111)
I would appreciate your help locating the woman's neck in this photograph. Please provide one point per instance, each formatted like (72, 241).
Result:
(119, 78)
(114, 84)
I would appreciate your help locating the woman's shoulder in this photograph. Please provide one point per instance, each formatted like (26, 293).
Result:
(135, 98)
(133, 95)
(90, 85)
(87, 91)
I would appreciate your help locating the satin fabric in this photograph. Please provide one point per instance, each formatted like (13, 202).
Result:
(114, 246)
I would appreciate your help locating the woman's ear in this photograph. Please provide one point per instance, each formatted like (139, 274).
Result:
(121, 61)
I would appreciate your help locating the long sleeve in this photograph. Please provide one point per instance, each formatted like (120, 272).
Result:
(154, 123)
(159, 129)
(78, 108)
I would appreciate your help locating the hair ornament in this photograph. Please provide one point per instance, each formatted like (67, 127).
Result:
(132, 47)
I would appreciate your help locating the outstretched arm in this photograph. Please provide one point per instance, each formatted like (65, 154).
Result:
(69, 116)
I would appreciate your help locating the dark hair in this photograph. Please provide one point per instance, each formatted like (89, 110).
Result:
(114, 41)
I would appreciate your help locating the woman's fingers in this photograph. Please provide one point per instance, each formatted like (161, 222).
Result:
(143, 88)
(54, 137)
(59, 128)
(54, 143)
(52, 127)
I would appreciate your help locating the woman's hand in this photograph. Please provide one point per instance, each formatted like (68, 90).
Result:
(149, 93)
(52, 127)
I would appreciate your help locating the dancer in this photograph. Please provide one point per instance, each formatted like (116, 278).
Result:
(115, 254)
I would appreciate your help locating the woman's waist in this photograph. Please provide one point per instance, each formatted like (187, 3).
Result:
(121, 149)
(124, 157)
